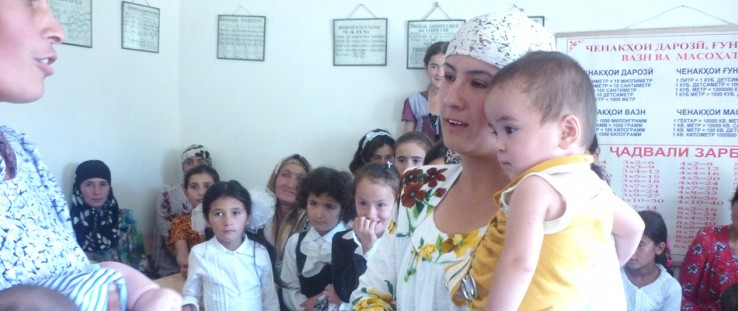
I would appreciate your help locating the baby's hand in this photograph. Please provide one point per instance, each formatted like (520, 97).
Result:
(364, 230)
(159, 299)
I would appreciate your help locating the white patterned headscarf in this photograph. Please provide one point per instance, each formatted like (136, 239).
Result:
(500, 40)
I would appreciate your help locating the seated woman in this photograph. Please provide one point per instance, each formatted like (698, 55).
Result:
(189, 229)
(104, 231)
(710, 265)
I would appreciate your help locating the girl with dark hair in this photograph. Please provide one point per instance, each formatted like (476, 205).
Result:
(647, 277)
(327, 194)
(189, 229)
(421, 111)
(375, 192)
(410, 150)
(377, 146)
(233, 270)
(104, 231)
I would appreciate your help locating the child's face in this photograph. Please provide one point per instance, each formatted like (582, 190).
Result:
(196, 187)
(228, 219)
(374, 202)
(285, 186)
(434, 70)
(382, 155)
(95, 191)
(27, 32)
(523, 140)
(407, 155)
(645, 254)
(324, 212)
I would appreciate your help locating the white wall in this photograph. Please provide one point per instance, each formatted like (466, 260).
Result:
(250, 114)
(137, 111)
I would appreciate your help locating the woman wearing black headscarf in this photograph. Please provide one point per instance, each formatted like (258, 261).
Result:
(103, 230)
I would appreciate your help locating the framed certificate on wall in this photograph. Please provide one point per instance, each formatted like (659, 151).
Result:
(241, 37)
(140, 27)
(360, 42)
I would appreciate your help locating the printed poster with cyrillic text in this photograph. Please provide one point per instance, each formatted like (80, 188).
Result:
(667, 120)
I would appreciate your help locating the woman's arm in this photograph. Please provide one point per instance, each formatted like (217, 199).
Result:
(533, 201)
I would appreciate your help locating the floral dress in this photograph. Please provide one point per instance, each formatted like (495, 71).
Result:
(708, 269)
(416, 263)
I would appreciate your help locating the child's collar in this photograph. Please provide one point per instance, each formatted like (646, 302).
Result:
(545, 165)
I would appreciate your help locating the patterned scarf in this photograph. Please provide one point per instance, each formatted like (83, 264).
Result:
(96, 228)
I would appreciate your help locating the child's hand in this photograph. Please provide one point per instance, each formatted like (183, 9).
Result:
(183, 263)
(160, 299)
(309, 304)
(330, 294)
(364, 230)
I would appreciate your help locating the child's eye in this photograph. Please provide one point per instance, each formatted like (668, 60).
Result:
(509, 130)
(218, 214)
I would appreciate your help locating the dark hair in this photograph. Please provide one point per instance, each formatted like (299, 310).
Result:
(415, 137)
(234, 189)
(729, 298)
(439, 47)
(657, 232)
(554, 82)
(200, 169)
(338, 185)
(378, 173)
(372, 141)
(735, 197)
(437, 151)
(593, 146)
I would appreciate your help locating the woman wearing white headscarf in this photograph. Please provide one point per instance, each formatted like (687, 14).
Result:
(444, 210)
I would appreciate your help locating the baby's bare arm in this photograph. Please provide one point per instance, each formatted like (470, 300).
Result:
(627, 229)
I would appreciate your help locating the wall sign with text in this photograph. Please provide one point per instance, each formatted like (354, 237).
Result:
(360, 42)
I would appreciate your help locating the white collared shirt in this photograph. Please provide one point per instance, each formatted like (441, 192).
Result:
(317, 250)
(230, 280)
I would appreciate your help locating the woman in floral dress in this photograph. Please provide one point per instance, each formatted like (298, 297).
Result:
(444, 210)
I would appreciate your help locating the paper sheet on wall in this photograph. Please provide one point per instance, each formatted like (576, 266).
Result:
(667, 120)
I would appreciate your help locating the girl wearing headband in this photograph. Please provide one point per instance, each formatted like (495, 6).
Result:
(377, 146)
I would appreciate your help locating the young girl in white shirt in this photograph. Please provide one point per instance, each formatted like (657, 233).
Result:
(647, 277)
(327, 195)
(229, 271)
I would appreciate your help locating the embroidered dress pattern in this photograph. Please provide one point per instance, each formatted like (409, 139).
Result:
(434, 261)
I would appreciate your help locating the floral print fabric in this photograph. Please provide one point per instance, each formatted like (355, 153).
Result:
(417, 263)
(708, 269)
(36, 236)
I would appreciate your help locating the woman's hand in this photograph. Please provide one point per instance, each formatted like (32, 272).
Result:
(364, 230)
